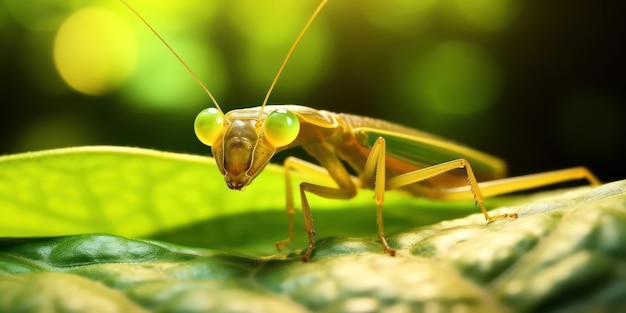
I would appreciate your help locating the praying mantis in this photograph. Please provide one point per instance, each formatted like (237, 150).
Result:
(384, 155)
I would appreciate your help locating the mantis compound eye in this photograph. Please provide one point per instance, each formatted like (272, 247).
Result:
(281, 127)
(208, 125)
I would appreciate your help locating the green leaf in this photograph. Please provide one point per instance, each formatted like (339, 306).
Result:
(565, 252)
(175, 197)
(125, 191)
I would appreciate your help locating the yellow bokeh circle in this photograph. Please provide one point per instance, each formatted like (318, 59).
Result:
(95, 50)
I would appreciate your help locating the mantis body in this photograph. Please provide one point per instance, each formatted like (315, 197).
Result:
(384, 155)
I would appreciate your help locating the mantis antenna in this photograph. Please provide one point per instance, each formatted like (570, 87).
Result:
(293, 47)
(178, 57)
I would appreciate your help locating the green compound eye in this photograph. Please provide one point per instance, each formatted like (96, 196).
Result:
(208, 125)
(281, 127)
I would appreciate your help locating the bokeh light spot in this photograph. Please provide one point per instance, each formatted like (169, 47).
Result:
(304, 70)
(95, 51)
(161, 81)
(266, 44)
(489, 14)
(455, 78)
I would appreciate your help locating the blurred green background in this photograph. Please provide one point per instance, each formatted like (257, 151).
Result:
(538, 83)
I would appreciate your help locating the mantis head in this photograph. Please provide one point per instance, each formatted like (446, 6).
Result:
(242, 143)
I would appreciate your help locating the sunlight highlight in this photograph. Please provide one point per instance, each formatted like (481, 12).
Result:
(95, 50)
(456, 78)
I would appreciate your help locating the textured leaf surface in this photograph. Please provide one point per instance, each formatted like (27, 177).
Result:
(565, 252)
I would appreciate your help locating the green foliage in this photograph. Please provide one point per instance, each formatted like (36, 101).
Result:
(565, 252)
(176, 197)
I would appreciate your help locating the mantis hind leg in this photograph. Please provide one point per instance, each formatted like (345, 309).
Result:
(490, 188)
(432, 171)
(521, 183)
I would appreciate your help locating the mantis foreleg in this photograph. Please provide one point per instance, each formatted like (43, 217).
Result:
(346, 189)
